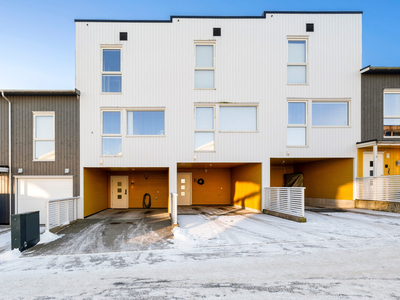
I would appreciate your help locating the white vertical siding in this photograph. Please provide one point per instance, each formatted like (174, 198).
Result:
(251, 60)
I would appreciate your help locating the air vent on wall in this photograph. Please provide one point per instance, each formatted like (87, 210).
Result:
(216, 31)
(310, 27)
(123, 36)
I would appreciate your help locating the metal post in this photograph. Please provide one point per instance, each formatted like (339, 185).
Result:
(375, 160)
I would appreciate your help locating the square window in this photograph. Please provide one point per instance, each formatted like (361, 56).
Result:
(145, 123)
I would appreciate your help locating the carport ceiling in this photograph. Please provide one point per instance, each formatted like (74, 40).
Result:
(131, 169)
(295, 161)
(209, 165)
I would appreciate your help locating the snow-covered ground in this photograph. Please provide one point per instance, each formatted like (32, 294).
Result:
(332, 256)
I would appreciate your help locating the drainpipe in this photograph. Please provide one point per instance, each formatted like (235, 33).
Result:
(9, 151)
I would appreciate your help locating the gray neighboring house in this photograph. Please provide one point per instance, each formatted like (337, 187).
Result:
(44, 149)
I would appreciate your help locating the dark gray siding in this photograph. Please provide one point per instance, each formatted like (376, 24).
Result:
(3, 132)
(66, 110)
(372, 86)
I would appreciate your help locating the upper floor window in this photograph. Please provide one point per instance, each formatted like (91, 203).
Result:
(145, 123)
(111, 71)
(391, 114)
(111, 133)
(204, 66)
(297, 62)
(238, 118)
(204, 130)
(330, 113)
(297, 124)
(43, 136)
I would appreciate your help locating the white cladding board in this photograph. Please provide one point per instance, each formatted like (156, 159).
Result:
(33, 193)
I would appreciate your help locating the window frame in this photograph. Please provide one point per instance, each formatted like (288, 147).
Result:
(297, 125)
(238, 105)
(205, 130)
(42, 114)
(389, 91)
(348, 101)
(110, 47)
(144, 109)
(109, 134)
(205, 43)
(297, 39)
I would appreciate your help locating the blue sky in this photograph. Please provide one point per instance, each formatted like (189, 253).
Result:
(38, 37)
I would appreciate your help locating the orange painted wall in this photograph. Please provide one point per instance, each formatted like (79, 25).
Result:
(216, 189)
(95, 190)
(394, 155)
(246, 186)
(328, 179)
(277, 175)
(156, 185)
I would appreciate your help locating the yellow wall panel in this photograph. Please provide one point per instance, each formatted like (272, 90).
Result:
(246, 186)
(328, 179)
(277, 175)
(95, 190)
(216, 189)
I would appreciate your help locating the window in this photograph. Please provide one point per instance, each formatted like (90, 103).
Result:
(145, 123)
(204, 66)
(111, 133)
(297, 62)
(297, 124)
(391, 114)
(204, 132)
(111, 72)
(43, 136)
(330, 113)
(237, 118)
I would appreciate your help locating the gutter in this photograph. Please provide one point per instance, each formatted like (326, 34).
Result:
(9, 151)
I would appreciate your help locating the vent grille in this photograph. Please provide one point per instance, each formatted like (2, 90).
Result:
(216, 31)
(123, 36)
(310, 27)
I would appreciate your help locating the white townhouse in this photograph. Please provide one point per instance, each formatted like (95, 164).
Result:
(216, 109)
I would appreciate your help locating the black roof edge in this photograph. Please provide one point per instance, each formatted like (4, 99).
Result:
(374, 140)
(263, 16)
(380, 70)
(75, 92)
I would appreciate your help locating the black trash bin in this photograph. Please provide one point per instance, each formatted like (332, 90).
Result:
(25, 230)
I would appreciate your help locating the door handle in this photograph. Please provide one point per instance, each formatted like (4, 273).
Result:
(125, 191)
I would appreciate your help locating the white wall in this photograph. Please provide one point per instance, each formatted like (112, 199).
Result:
(251, 64)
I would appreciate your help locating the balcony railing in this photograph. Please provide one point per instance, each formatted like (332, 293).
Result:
(383, 188)
(286, 200)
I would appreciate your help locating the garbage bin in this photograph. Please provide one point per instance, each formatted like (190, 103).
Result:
(25, 230)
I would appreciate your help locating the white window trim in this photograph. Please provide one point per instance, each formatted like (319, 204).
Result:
(297, 39)
(110, 47)
(389, 91)
(205, 130)
(145, 109)
(111, 135)
(240, 105)
(43, 113)
(333, 100)
(204, 43)
(297, 125)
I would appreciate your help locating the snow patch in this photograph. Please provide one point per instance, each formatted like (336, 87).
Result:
(183, 239)
(10, 255)
(48, 237)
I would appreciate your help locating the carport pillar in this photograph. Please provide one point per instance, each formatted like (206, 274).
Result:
(173, 174)
(375, 159)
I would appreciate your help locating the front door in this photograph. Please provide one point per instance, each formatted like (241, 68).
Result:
(119, 191)
(368, 164)
(184, 188)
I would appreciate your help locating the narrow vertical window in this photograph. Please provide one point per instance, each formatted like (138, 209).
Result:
(391, 112)
(204, 132)
(297, 62)
(43, 136)
(111, 71)
(297, 124)
(204, 67)
(111, 133)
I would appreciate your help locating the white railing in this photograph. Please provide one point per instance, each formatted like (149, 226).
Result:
(173, 206)
(61, 212)
(384, 188)
(287, 200)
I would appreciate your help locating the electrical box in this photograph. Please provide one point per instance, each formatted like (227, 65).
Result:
(25, 230)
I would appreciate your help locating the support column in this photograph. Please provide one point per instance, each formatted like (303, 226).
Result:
(172, 177)
(375, 160)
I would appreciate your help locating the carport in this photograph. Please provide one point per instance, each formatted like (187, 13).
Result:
(328, 181)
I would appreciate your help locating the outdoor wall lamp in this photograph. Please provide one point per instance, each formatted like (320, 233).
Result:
(132, 183)
(20, 170)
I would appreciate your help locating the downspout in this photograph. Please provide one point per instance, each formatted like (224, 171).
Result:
(9, 152)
